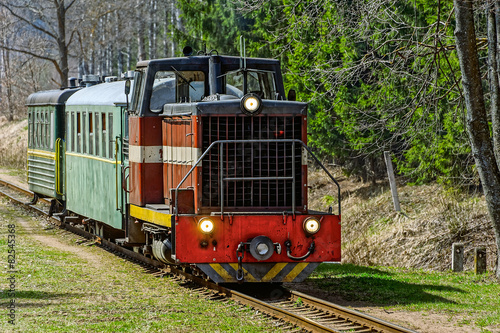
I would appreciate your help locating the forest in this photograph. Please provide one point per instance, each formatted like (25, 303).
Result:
(380, 75)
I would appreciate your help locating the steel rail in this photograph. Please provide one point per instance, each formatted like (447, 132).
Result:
(351, 317)
(349, 314)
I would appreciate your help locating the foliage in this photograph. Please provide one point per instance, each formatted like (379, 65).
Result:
(379, 75)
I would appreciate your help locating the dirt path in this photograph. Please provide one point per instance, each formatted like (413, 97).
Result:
(52, 241)
(6, 175)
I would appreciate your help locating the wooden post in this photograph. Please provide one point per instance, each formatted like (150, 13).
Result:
(392, 180)
(480, 260)
(457, 257)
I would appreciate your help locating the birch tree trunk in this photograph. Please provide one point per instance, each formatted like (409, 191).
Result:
(477, 120)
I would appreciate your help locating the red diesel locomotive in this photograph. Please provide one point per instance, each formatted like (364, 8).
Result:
(210, 161)
(218, 170)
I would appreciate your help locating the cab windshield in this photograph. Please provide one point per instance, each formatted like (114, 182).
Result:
(257, 82)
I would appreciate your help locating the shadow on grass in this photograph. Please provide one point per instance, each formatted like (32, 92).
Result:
(23, 297)
(376, 287)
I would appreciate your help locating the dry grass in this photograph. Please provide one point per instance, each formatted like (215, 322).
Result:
(432, 219)
(13, 143)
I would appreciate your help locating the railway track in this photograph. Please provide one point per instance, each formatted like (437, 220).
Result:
(297, 311)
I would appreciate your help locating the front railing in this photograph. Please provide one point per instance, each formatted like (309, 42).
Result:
(223, 179)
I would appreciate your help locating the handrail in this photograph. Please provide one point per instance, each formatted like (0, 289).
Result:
(58, 167)
(222, 142)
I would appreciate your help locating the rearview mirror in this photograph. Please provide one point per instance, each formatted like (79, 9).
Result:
(127, 87)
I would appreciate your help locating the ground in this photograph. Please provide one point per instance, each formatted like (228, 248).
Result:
(65, 284)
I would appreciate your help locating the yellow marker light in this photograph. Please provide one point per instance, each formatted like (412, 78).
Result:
(311, 225)
(206, 225)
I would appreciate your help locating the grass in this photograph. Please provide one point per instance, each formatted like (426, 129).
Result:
(62, 291)
(468, 298)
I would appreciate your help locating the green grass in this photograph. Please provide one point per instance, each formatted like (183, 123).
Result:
(61, 291)
(474, 299)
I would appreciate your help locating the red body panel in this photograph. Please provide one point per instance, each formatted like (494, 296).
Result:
(146, 178)
(179, 137)
(230, 232)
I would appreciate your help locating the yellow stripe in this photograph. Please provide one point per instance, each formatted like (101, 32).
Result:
(295, 271)
(42, 153)
(94, 158)
(248, 276)
(274, 271)
(151, 215)
(222, 272)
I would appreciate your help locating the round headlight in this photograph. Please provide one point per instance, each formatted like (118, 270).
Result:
(311, 225)
(206, 225)
(251, 104)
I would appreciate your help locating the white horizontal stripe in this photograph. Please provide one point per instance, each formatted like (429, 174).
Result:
(145, 154)
(181, 155)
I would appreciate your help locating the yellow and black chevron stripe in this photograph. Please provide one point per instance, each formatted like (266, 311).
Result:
(260, 272)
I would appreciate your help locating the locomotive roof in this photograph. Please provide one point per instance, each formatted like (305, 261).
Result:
(50, 97)
(109, 94)
(202, 60)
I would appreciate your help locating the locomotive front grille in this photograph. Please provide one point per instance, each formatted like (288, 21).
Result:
(252, 175)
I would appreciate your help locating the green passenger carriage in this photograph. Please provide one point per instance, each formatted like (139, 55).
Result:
(46, 142)
(96, 127)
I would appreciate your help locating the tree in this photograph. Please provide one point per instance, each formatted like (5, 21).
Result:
(49, 20)
(379, 75)
(483, 144)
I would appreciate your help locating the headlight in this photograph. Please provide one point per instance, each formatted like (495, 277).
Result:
(206, 225)
(251, 104)
(311, 225)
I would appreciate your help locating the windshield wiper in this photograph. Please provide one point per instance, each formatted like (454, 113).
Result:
(182, 77)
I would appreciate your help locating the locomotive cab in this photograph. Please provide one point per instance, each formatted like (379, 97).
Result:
(218, 171)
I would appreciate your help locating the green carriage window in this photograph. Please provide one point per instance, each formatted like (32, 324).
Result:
(35, 139)
(110, 132)
(51, 129)
(96, 133)
(68, 133)
(78, 132)
(38, 129)
(104, 136)
(91, 133)
(72, 133)
(30, 129)
(84, 132)
(45, 129)
(42, 127)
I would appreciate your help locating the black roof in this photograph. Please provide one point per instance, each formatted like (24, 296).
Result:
(50, 97)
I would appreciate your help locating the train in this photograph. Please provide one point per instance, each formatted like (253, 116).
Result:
(198, 161)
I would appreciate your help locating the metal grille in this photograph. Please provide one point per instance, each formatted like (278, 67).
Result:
(256, 160)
